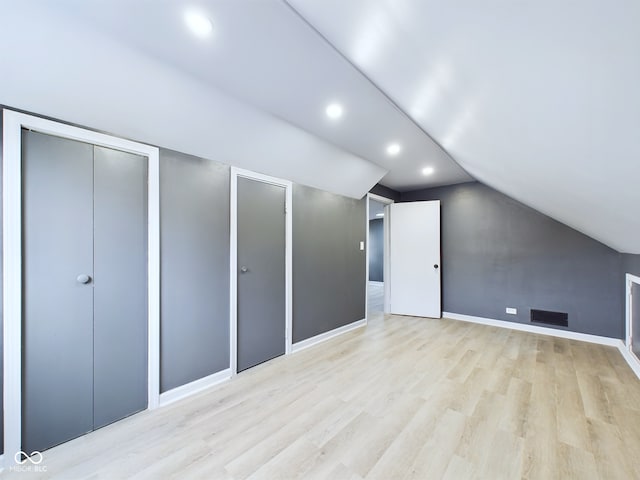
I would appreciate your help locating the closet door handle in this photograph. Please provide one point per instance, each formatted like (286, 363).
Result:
(83, 278)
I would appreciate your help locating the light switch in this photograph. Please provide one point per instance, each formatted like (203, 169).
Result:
(361, 245)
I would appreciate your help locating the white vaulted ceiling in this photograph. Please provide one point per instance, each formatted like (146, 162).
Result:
(263, 58)
(536, 99)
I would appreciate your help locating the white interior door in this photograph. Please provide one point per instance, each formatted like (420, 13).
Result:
(414, 257)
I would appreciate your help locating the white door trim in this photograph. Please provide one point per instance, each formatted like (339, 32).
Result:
(629, 281)
(385, 253)
(233, 264)
(13, 122)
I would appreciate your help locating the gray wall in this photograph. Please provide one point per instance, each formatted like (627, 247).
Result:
(376, 250)
(194, 236)
(328, 267)
(631, 264)
(498, 253)
(386, 192)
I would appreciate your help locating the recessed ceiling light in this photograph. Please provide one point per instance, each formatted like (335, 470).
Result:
(334, 110)
(379, 214)
(198, 23)
(393, 148)
(428, 170)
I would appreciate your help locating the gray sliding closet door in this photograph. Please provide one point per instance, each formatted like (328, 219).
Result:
(57, 362)
(120, 293)
(85, 288)
(261, 272)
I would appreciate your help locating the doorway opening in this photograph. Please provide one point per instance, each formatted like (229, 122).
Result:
(377, 254)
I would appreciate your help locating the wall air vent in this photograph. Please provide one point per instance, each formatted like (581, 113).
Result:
(559, 319)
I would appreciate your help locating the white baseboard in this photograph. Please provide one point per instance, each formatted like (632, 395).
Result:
(631, 359)
(380, 284)
(197, 386)
(1, 463)
(309, 342)
(584, 337)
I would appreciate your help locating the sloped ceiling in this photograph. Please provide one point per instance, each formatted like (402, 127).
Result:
(536, 99)
(539, 100)
(252, 95)
(57, 65)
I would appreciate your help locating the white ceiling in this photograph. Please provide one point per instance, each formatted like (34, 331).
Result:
(57, 65)
(536, 99)
(539, 100)
(264, 54)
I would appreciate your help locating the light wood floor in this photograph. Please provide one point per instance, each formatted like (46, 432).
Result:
(376, 297)
(402, 398)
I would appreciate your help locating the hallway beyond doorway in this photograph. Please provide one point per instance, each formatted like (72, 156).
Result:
(376, 297)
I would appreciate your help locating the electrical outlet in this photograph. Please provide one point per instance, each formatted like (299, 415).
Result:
(361, 245)
(512, 311)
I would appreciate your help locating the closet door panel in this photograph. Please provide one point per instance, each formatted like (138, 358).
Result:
(57, 363)
(120, 298)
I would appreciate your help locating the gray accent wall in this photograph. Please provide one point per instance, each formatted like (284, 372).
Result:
(194, 243)
(376, 250)
(329, 269)
(630, 264)
(386, 192)
(498, 253)
(328, 266)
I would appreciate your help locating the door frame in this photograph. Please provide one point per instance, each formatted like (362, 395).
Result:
(233, 263)
(629, 281)
(13, 122)
(385, 254)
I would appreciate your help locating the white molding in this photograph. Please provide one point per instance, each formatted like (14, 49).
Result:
(233, 273)
(153, 278)
(583, 337)
(631, 359)
(323, 337)
(627, 349)
(385, 251)
(233, 260)
(386, 261)
(366, 259)
(1, 463)
(13, 122)
(191, 388)
(380, 284)
(379, 198)
(628, 305)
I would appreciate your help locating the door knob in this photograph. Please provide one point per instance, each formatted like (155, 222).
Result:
(244, 269)
(83, 278)
(435, 266)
